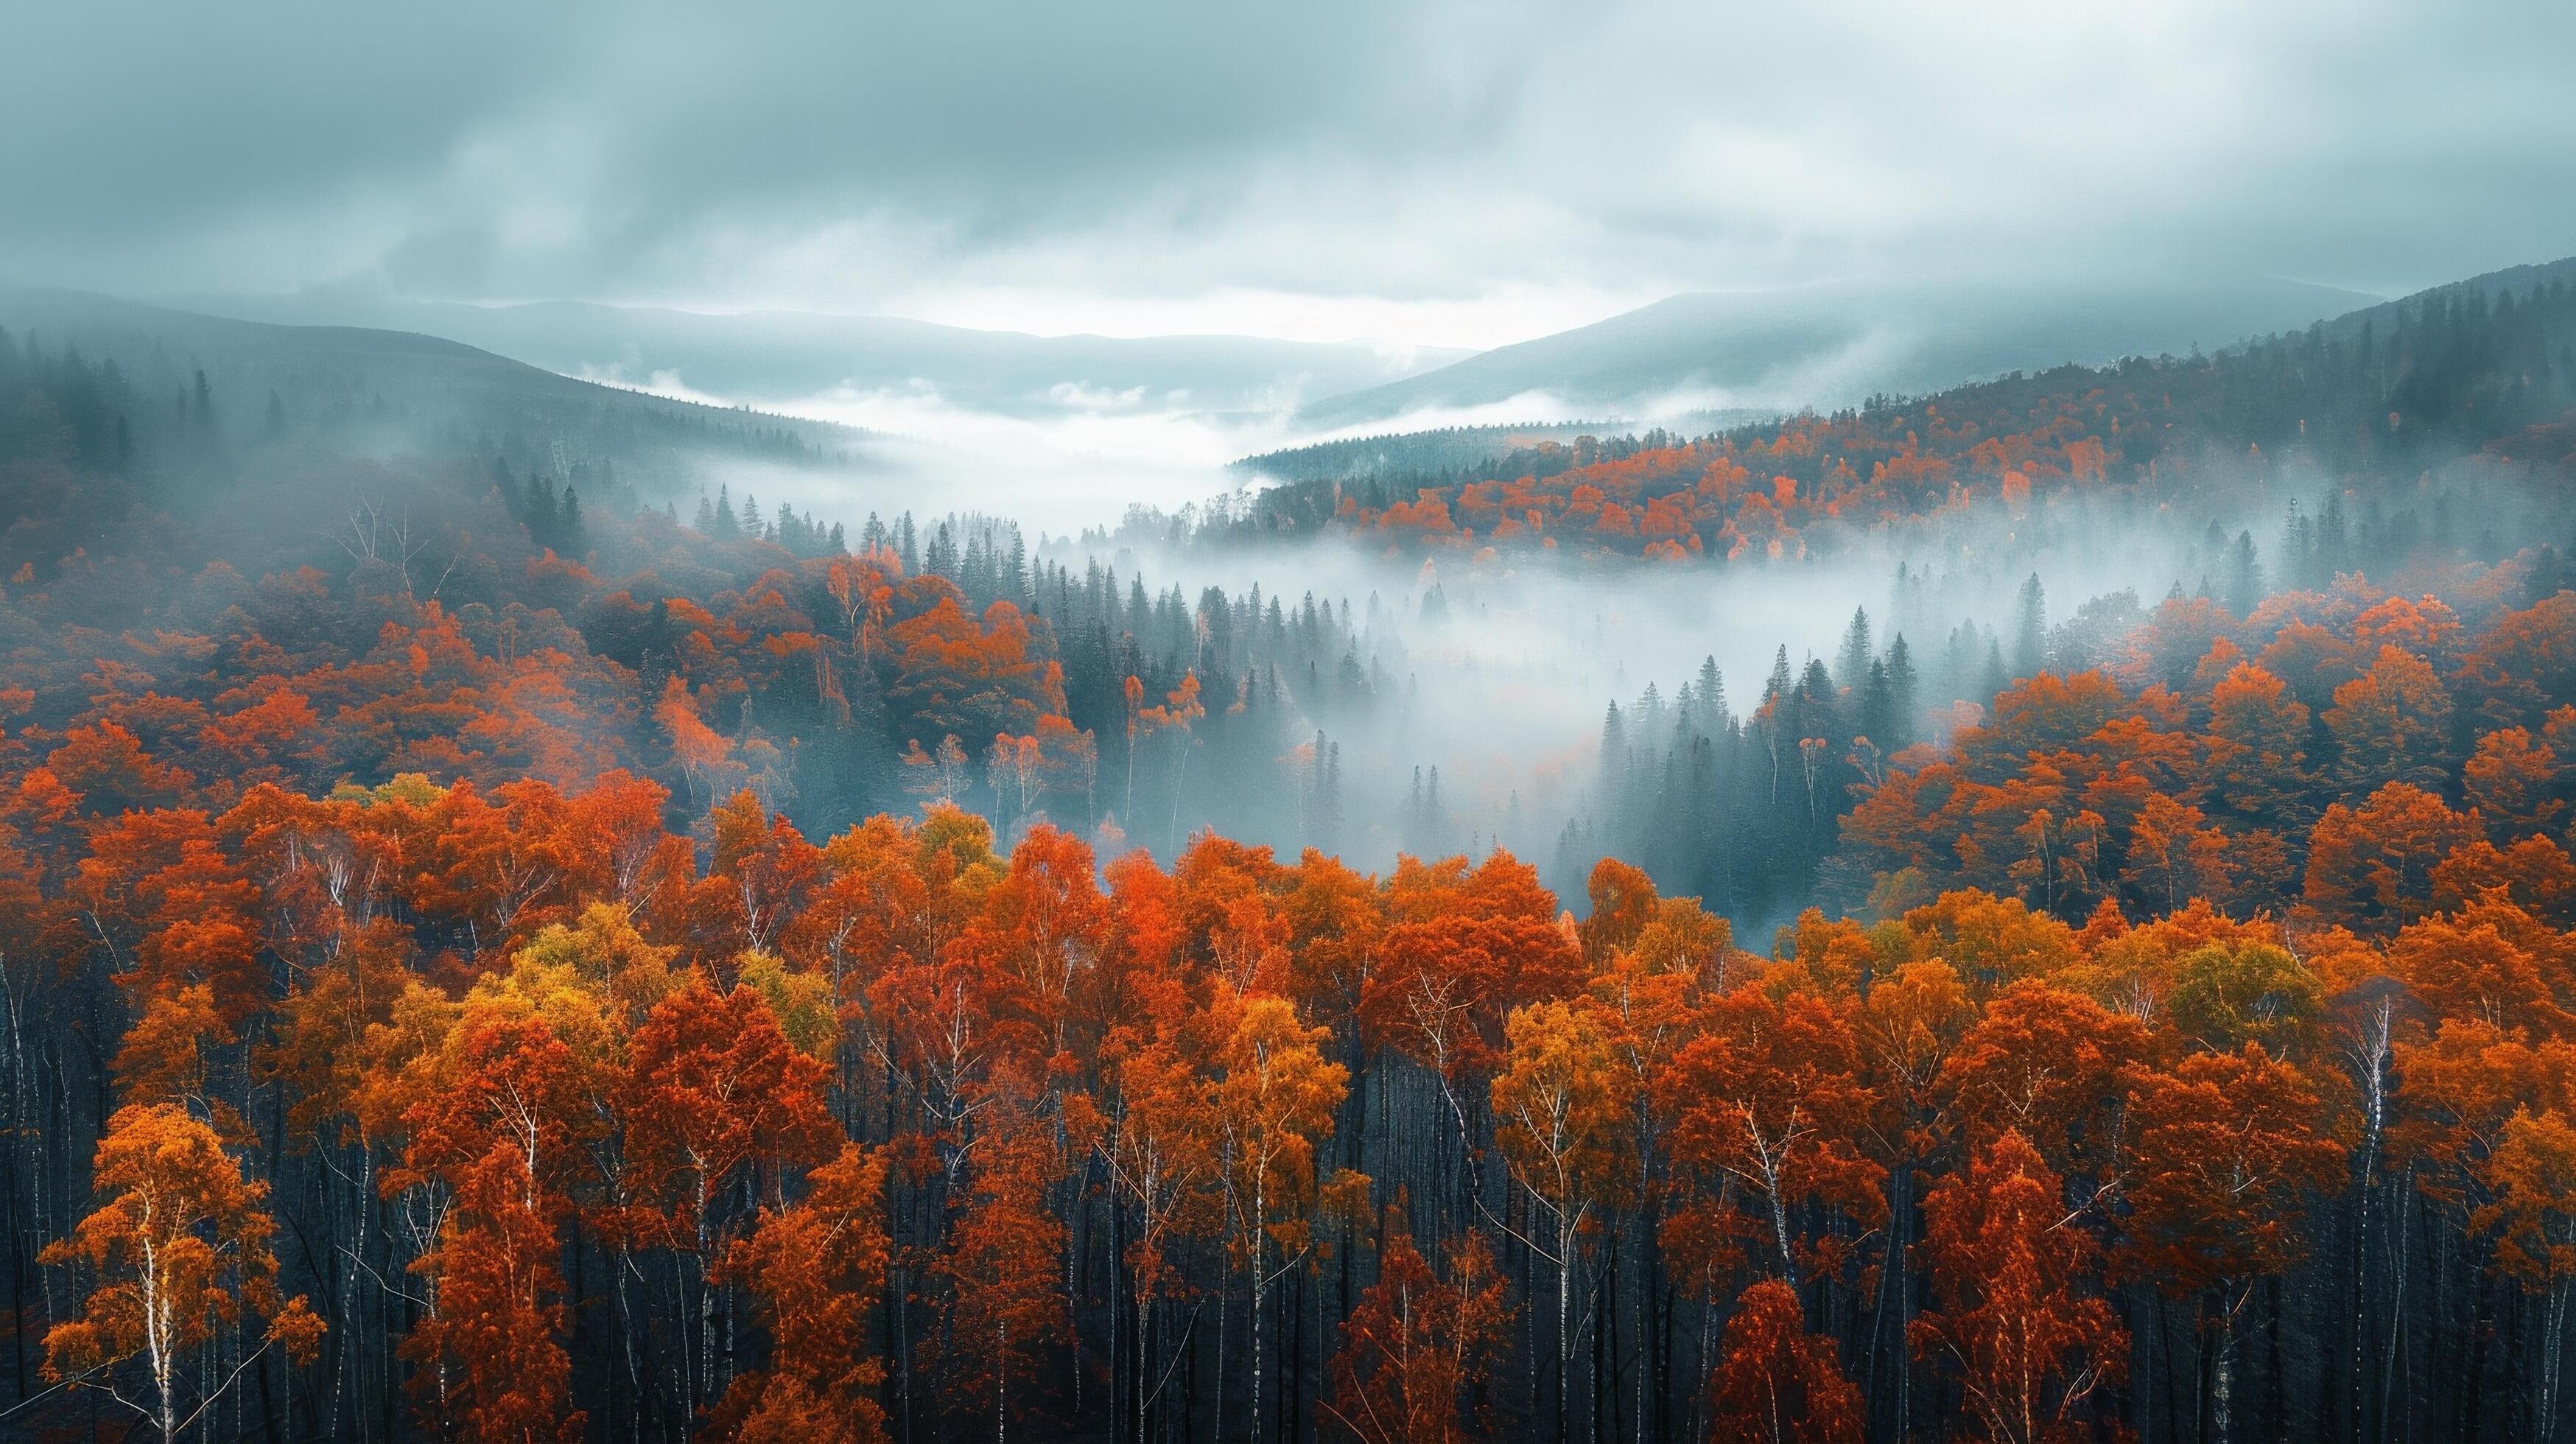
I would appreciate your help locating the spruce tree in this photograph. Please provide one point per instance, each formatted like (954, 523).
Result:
(2030, 629)
(1851, 664)
(1904, 697)
(2244, 577)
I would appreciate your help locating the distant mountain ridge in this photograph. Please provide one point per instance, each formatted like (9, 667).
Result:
(1835, 345)
(779, 357)
(407, 388)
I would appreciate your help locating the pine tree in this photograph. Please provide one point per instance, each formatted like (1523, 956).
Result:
(1877, 708)
(2030, 630)
(540, 518)
(1712, 697)
(2244, 576)
(1614, 749)
(1851, 664)
(1904, 697)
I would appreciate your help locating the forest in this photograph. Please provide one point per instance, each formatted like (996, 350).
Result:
(493, 946)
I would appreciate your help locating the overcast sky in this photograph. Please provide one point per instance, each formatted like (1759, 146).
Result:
(1415, 173)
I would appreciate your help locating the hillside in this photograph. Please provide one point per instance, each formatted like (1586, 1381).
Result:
(1835, 345)
(2409, 383)
(776, 358)
(400, 391)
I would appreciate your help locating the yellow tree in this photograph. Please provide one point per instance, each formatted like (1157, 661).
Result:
(1908, 1026)
(1562, 1105)
(1274, 1103)
(1157, 1149)
(178, 1251)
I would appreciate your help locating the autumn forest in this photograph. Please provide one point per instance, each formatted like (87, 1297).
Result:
(505, 936)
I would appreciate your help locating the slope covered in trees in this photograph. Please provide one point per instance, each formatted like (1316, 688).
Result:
(480, 964)
(218, 380)
(2382, 392)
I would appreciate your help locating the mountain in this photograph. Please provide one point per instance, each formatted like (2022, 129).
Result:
(1835, 345)
(779, 358)
(397, 390)
(2521, 281)
(2389, 394)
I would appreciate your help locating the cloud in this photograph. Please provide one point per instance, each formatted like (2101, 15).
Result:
(1433, 171)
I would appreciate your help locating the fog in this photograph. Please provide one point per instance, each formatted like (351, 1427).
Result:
(1097, 455)
(1498, 672)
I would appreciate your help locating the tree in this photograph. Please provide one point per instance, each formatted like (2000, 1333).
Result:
(164, 1056)
(1004, 1258)
(177, 1252)
(2372, 866)
(2252, 992)
(766, 867)
(1769, 1107)
(1275, 1100)
(2226, 1158)
(1158, 1148)
(2391, 724)
(2175, 856)
(1175, 716)
(704, 755)
(1562, 1102)
(2258, 746)
(953, 674)
(818, 1270)
(2030, 629)
(2490, 961)
(713, 1085)
(1777, 1382)
(1037, 931)
(2533, 1175)
(492, 1147)
(2516, 784)
(935, 777)
(1418, 1349)
(2048, 1065)
(2019, 1327)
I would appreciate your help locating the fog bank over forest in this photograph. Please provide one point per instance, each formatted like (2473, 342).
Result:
(656, 872)
(1366, 722)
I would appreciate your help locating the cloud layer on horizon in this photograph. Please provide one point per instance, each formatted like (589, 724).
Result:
(1431, 172)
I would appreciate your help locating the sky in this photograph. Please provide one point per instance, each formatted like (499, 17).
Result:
(1406, 172)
